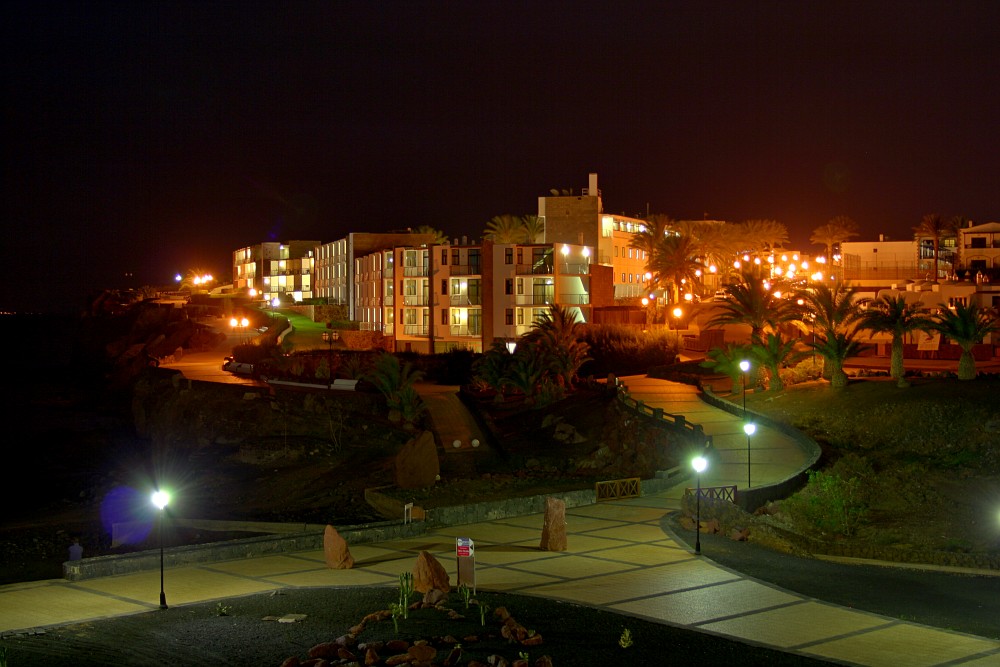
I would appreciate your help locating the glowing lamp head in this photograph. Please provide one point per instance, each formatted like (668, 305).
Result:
(645, 301)
(565, 250)
(744, 365)
(160, 499)
(233, 322)
(749, 428)
(678, 312)
(699, 463)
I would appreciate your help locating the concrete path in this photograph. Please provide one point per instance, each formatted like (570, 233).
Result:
(619, 559)
(773, 455)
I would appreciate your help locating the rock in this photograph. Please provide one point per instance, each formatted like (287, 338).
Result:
(325, 650)
(428, 573)
(687, 523)
(433, 596)
(567, 433)
(417, 464)
(422, 652)
(739, 534)
(291, 662)
(338, 556)
(371, 657)
(554, 525)
(397, 645)
(454, 657)
(400, 659)
(544, 661)
(710, 527)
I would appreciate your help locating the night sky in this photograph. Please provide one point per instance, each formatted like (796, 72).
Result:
(149, 138)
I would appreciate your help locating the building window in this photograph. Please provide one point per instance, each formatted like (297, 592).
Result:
(623, 277)
(508, 286)
(444, 286)
(508, 255)
(454, 257)
(520, 316)
(509, 317)
(444, 316)
(520, 285)
(444, 258)
(520, 255)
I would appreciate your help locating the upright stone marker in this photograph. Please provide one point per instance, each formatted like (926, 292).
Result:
(554, 525)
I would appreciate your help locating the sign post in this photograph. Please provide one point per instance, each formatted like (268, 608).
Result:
(465, 554)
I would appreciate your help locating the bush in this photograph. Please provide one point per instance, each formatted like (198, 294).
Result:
(830, 504)
(625, 350)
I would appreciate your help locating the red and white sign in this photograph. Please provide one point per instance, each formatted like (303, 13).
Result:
(464, 547)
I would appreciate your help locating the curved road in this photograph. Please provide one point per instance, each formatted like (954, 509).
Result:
(955, 601)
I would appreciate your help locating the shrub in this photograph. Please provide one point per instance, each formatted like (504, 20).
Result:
(830, 504)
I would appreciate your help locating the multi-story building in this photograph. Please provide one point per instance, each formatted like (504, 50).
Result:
(447, 296)
(335, 263)
(980, 249)
(581, 220)
(275, 269)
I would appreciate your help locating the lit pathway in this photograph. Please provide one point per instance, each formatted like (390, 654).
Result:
(773, 455)
(619, 558)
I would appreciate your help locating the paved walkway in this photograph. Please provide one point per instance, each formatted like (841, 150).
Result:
(619, 558)
(773, 455)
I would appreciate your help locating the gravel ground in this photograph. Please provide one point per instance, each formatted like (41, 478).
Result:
(201, 635)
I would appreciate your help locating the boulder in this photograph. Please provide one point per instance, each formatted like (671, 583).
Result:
(417, 464)
(554, 525)
(428, 574)
(338, 556)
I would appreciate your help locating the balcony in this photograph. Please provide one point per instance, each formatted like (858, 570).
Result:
(574, 299)
(465, 269)
(387, 300)
(534, 299)
(415, 330)
(417, 271)
(415, 300)
(534, 269)
(464, 330)
(466, 299)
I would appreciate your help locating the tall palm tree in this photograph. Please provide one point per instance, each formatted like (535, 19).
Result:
(763, 235)
(534, 228)
(673, 262)
(655, 227)
(439, 236)
(751, 302)
(837, 230)
(966, 325)
(830, 309)
(835, 348)
(505, 229)
(933, 227)
(894, 316)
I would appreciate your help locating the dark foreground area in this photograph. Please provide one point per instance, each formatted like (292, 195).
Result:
(953, 601)
(234, 632)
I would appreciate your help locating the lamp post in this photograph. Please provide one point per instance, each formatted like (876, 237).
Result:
(330, 337)
(744, 367)
(275, 302)
(699, 463)
(160, 499)
(749, 428)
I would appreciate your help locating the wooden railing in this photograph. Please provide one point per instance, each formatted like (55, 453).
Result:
(667, 419)
(726, 493)
(618, 488)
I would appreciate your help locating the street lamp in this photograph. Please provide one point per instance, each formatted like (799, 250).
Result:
(749, 428)
(160, 499)
(330, 337)
(699, 463)
(275, 302)
(744, 367)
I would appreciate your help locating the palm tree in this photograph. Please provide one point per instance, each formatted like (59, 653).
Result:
(395, 381)
(773, 353)
(836, 347)
(673, 262)
(655, 228)
(894, 316)
(534, 228)
(727, 360)
(558, 335)
(505, 229)
(933, 227)
(439, 236)
(831, 309)
(966, 325)
(751, 302)
(525, 372)
(837, 230)
(763, 235)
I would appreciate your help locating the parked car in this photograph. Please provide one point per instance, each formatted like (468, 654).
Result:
(240, 367)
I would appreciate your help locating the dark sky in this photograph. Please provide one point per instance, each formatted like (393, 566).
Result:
(156, 137)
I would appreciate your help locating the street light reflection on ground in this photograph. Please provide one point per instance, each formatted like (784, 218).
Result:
(160, 500)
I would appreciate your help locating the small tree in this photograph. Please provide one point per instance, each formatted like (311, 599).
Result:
(773, 353)
(727, 360)
(893, 315)
(395, 381)
(966, 325)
